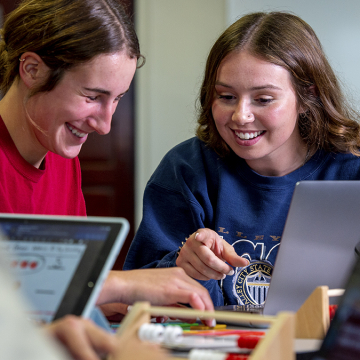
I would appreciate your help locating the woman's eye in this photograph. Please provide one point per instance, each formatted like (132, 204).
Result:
(92, 98)
(226, 97)
(264, 101)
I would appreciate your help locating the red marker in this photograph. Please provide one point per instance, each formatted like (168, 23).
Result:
(332, 310)
(224, 332)
(248, 341)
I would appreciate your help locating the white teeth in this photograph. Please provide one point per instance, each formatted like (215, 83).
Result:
(247, 136)
(75, 132)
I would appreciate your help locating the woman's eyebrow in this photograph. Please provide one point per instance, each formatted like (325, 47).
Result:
(267, 86)
(260, 87)
(103, 91)
(222, 84)
(98, 90)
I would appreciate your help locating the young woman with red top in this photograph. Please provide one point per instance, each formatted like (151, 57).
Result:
(64, 66)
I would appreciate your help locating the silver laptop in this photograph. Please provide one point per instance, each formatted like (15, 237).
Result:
(318, 244)
(59, 263)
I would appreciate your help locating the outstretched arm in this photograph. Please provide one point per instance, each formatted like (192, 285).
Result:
(179, 198)
(158, 286)
(167, 286)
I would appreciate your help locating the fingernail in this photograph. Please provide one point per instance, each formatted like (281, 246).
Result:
(213, 323)
(231, 272)
(196, 235)
(223, 277)
(128, 308)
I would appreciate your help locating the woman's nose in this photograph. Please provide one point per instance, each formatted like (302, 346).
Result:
(242, 113)
(103, 122)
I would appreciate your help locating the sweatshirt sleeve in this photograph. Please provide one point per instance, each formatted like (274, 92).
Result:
(168, 219)
(175, 204)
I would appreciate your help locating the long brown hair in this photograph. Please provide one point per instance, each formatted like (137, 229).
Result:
(284, 39)
(64, 33)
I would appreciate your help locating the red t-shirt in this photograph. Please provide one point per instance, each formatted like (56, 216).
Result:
(24, 189)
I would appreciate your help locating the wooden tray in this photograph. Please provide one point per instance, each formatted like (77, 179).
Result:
(310, 322)
(278, 344)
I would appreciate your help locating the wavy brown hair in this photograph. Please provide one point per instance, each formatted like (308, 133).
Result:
(284, 39)
(64, 33)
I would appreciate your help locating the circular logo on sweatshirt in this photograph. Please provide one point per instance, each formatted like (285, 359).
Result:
(251, 283)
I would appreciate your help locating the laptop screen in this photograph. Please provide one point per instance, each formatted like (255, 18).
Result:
(56, 262)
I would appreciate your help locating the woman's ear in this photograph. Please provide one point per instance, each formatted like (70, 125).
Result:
(32, 69)
(312, 91)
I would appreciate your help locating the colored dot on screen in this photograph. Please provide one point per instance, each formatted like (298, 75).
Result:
(23, 264)
(33, 264)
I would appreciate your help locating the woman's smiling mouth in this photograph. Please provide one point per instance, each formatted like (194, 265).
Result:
(75, 131)
(248, 135)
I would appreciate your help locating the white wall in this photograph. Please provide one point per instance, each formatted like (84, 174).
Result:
(175, 36)
(337, 25)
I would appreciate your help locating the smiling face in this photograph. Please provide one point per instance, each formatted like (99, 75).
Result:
(83, 102)
(255, 111)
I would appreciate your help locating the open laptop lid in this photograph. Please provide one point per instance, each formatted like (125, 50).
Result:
(60, 262)
(318, 243)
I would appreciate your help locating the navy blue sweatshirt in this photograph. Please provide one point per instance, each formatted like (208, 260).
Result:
(194, 188)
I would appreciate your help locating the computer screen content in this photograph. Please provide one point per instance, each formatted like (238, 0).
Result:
(44, 258)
